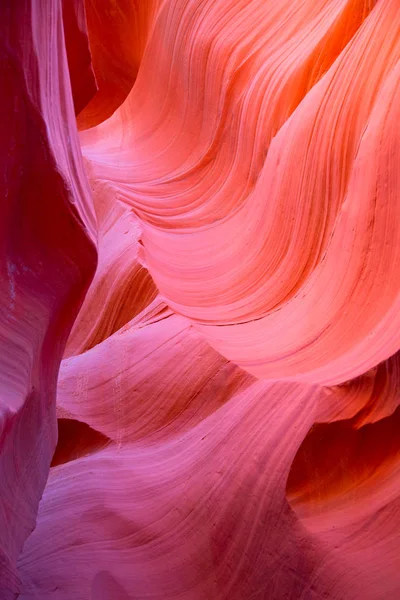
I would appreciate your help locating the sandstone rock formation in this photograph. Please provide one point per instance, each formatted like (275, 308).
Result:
(200, 300)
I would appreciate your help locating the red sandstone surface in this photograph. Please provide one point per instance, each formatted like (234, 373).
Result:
(200, 300)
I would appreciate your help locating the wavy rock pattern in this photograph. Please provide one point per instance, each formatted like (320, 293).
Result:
(210, 269)
(201, 167)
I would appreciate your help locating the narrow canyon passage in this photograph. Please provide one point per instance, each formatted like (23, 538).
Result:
(200, 300)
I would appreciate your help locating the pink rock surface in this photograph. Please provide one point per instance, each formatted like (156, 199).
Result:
(47, 259)
(200, 292)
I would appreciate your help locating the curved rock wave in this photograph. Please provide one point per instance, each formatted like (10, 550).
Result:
(200, 295)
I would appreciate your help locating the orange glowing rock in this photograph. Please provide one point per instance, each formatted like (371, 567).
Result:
(249, 188)
(201, 291)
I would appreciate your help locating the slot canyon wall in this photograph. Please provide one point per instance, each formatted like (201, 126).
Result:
(200, 300)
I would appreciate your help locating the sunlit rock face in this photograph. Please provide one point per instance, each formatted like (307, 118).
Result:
(200, 308)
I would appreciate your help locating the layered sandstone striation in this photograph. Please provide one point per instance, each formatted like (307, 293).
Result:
(200, 330)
